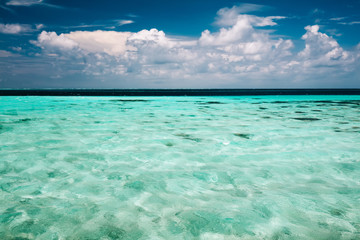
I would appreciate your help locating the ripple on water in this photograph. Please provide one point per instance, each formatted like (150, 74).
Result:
(272, 167)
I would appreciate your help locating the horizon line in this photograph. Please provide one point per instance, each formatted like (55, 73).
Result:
(176, 91)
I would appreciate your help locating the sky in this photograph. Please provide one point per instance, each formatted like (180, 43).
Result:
(179, 44)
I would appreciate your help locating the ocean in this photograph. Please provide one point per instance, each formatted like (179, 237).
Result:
(180, 167)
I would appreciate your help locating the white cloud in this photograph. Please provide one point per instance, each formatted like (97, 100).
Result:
(337, 18)
(109, 42)
(230, 16)
(124, 22)
(4, 54)
(150, 37)
(39, 26)
(238, 29)
(15, 28)
(28, 3)
(240, 54)
(350, 23)
(50, 40)
(23, 2)
(17, 49)
(241, 31)
(322, 50)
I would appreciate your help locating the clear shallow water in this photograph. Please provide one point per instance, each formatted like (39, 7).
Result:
(180, 167)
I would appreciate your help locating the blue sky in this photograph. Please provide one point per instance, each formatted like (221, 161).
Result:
(179, 44)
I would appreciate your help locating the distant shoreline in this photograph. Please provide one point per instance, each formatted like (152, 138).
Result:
(175, 92)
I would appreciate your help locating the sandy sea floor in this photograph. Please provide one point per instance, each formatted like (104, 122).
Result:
(276, 167)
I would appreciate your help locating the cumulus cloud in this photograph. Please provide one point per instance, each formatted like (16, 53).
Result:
(322, 50)
(108, 42)
(241, 30)
(15, 28)
(50, 40)
(150, 37)
(239, 54)
(230, 16)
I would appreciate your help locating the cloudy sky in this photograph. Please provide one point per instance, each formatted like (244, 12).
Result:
(179, 44)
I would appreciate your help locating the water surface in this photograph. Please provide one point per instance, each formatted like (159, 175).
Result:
(268, 167)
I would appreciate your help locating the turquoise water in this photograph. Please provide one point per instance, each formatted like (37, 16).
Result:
(283, 167)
